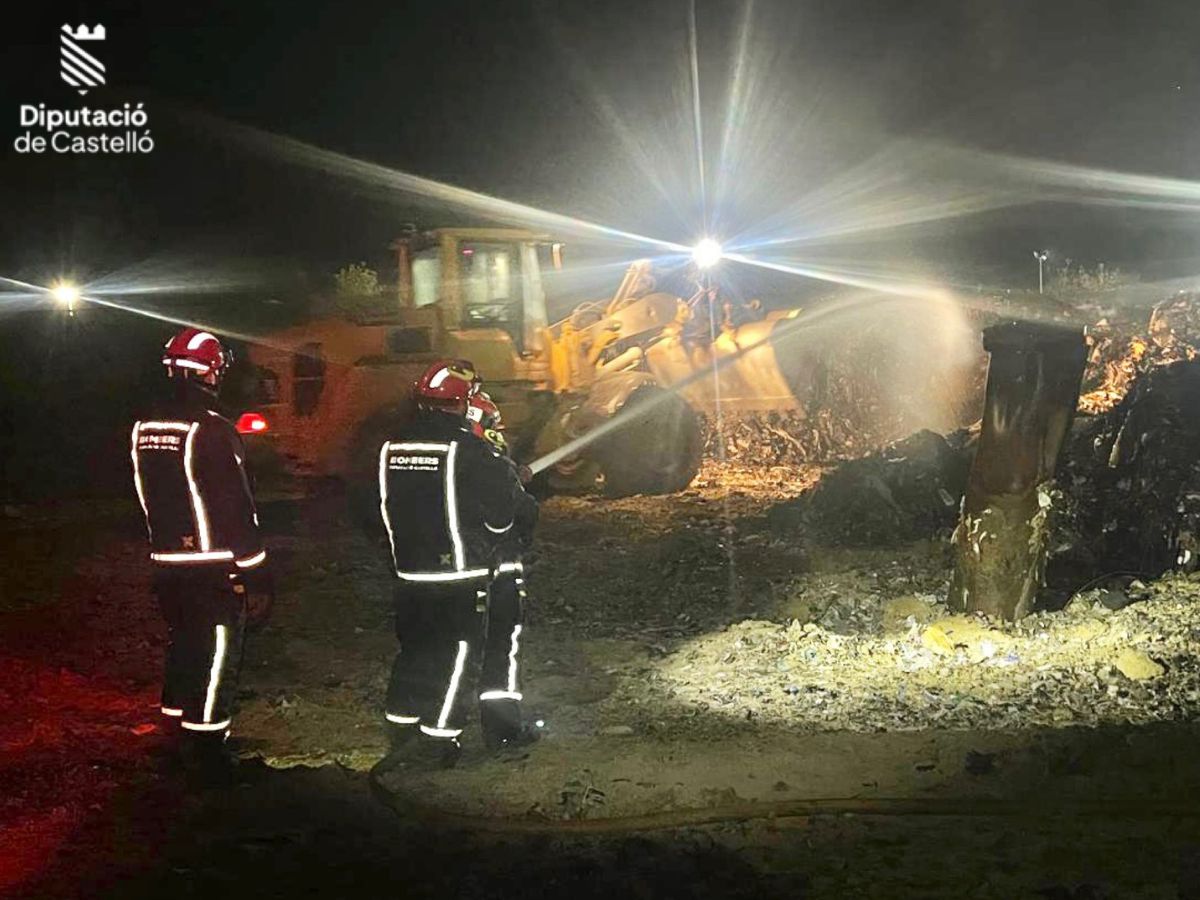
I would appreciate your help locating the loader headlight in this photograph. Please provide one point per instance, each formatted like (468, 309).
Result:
(706, 253)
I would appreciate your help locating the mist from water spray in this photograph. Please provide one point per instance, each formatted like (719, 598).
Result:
(828, 314)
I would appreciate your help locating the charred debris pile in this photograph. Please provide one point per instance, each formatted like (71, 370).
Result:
(1127, 496)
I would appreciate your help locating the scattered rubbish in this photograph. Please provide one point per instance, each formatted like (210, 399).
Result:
(1114, 599)
(1137, 666)
(580, 796)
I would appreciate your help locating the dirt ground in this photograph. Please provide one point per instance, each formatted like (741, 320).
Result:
(637, 606)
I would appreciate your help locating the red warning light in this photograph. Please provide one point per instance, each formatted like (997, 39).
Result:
(251, 423)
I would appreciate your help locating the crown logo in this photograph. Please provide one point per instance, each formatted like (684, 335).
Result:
(83, 33)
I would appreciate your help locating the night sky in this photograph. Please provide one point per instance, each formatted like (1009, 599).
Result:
(510, 98)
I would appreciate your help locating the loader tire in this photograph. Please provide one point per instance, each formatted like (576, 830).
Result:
(656, 454)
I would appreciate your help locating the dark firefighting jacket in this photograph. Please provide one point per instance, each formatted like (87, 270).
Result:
(449, 501)
(188, 469)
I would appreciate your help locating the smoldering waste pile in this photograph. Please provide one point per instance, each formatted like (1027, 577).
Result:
(1128, 486)
(856, 394)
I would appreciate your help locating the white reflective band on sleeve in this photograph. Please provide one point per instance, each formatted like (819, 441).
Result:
(185, 364)
(426, 446)
(465, 575)
(500, 695)
(168, 711)
(402, 720)
(206, 726)
(498, 530)
(509, 567)
(460, 559)
(165, 426)
(137, 475)
(441, 732)
(214, 674)
(387, 523)
(512, 658)
(459, 661)
(251, 561)
(199, 338)
(194, 489)
(192, 557)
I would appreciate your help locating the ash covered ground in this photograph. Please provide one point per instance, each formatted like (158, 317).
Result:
(686, 655)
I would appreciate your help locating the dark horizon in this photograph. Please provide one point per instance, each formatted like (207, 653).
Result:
(512, 101)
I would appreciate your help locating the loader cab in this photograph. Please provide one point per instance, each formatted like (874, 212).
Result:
(480, 279)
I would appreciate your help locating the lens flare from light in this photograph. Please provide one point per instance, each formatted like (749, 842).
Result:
(707, 253)
(65, 293)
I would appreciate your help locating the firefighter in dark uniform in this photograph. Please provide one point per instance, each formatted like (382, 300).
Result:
(205, 546)
(499, 696)
(455, 512)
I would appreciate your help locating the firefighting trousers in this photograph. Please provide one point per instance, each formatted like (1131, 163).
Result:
(205, 624)
(458, 643)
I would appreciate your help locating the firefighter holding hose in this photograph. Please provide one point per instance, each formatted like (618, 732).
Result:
(208, 556)
(457, 519)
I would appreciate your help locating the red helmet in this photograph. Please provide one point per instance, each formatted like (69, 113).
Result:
(447, 385)
(486, 423)
(483, 413)
(194, 353)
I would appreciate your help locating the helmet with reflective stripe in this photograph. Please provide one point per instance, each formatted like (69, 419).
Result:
(447, 385)
(486, 423)
(198, 354)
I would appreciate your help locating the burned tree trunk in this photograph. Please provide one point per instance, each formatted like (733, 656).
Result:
(1000, 543)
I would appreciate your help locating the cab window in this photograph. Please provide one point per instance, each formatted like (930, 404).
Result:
(492, 288)
(426, 277)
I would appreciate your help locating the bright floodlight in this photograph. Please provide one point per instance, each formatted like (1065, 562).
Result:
(706, 254)
(65, 293)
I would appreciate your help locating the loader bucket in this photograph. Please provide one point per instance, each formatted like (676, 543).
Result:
(747, 376)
